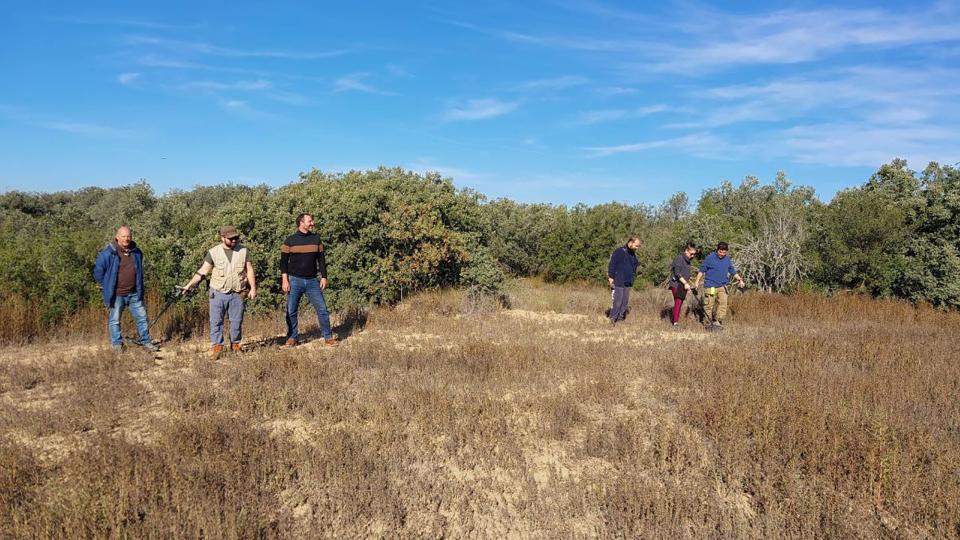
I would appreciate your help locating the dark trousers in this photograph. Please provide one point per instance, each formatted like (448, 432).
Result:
(621, 297)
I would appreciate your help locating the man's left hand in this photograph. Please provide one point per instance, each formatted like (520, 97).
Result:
(252, 294)
(323, 283)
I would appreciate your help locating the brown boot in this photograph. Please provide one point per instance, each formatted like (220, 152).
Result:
(215, 352)
(235, 347)
(331, 341)
(290, 343)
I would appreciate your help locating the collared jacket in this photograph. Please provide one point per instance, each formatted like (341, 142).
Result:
(107, 268)
(622, 267)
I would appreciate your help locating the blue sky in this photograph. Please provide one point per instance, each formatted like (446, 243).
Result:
(557, 101)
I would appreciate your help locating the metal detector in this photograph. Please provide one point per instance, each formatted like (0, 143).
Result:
(172, 299)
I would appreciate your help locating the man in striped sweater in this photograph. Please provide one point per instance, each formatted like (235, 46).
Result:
(303, 268)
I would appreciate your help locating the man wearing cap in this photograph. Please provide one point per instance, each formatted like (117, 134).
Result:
(231, 275)
(717, 269)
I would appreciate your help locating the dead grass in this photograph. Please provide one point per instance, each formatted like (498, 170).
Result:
(808, 416)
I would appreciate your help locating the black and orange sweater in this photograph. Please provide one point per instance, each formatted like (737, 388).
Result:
(301, 255)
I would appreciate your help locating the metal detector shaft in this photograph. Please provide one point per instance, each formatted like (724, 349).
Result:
(163, 310)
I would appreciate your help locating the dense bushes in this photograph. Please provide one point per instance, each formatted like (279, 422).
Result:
(392, 232)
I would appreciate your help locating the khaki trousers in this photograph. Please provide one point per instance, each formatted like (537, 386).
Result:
(715, 305)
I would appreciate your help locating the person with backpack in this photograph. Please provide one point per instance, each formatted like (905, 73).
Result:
(620, 273)
(715, 272)
(680, 283)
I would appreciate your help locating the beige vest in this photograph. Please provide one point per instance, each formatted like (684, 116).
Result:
(228, 275)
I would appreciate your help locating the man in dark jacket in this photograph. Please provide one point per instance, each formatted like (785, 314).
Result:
(119, 273)
(303, 271)
(680, 280)
(620, 272)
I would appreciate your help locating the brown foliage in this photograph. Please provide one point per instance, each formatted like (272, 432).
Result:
(807, 416)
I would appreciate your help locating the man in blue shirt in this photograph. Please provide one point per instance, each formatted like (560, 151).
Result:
(620, 272)
(717, 268)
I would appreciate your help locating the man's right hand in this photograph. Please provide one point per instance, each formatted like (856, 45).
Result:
(610, 279)
(285, 286)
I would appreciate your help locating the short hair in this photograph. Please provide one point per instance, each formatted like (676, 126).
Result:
(632, 238)
(723, 246)
(301, 216)
(690, 245)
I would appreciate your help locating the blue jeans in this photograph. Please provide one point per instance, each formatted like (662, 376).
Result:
(139, 312)
(311, 287)
(230, 304)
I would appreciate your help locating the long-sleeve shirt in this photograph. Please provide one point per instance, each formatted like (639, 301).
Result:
(622, 267)
(301, 255)
(717, 271)
(680, 268)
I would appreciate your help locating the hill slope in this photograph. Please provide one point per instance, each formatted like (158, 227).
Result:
(807, 416)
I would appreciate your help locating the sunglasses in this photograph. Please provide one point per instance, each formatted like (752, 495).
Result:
(233, 238)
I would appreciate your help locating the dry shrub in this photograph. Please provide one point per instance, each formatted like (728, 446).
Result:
(808, 416)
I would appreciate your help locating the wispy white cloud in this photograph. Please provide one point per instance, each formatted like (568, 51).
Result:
(793, 36)
(458, 174)
(357, 82)
(479, 109)
(204, 48)
(556, 83)
(727, 40)
(87, 128)
(613, 91)
(860, 92)
(699, 144)
(28, 117)
(242, 107)
(158, 61)
(608, 115)
(217, 86)
(398, 71)
(128, 78)
(119, 21)
(290, 98)
(599, 116)
(854, 144)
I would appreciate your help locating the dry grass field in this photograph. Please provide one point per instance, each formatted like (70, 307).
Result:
(807, 417)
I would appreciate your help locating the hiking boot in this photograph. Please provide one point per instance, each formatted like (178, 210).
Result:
(117, 348)
(150, 347)
(215, 352)
(290, 343)
(331, 341)
(235, 347)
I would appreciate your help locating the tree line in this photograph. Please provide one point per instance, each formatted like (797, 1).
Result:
(391, 232)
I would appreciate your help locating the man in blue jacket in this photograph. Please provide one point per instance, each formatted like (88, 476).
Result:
(717, 268)
(620, 272)
(119, 274)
